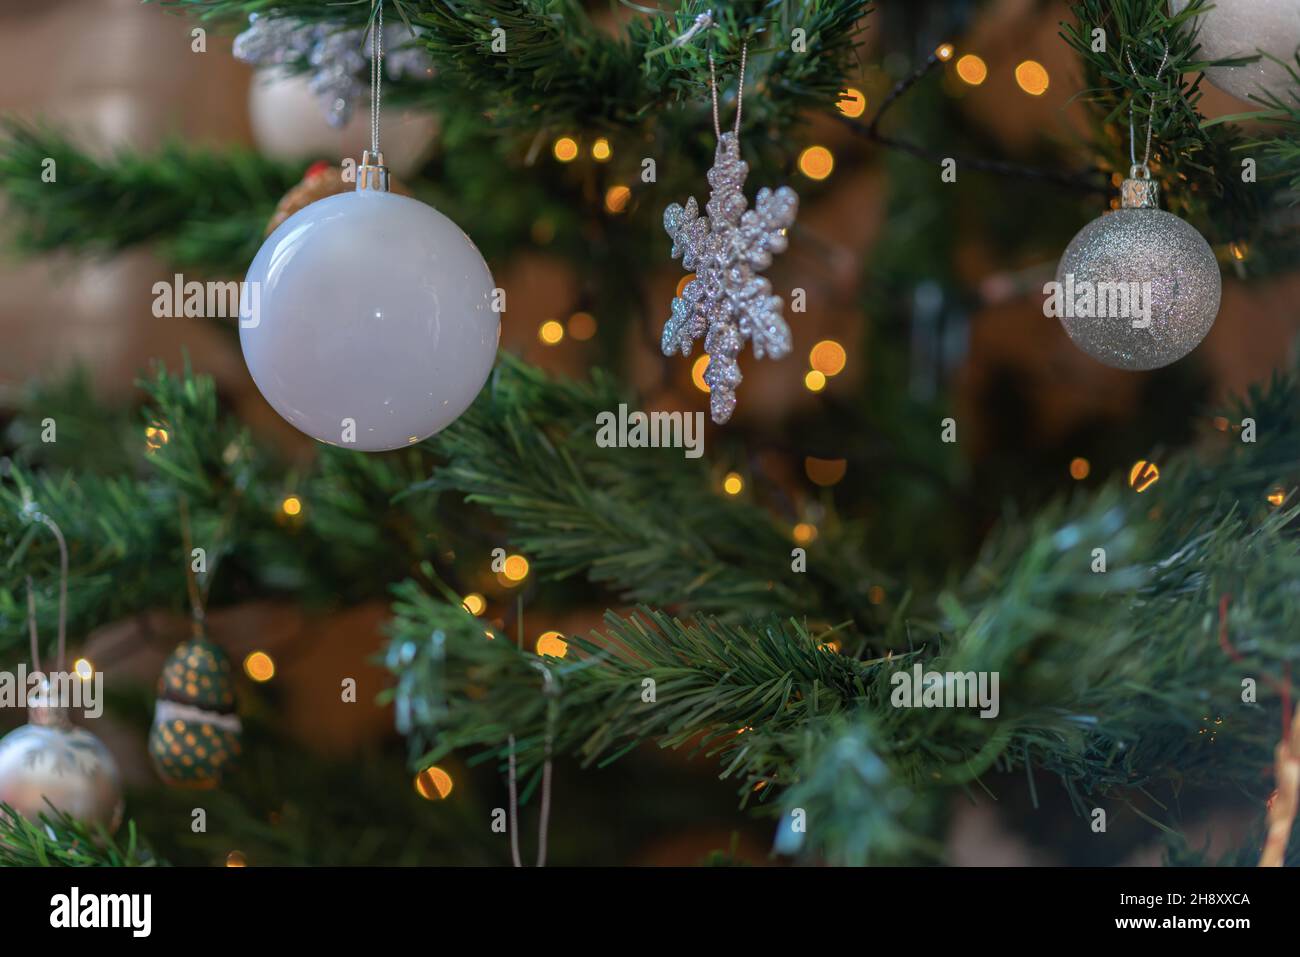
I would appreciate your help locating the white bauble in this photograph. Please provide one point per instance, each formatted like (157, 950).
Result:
(52, 762)
(289, 124)
(367, 320)
(1236, 28)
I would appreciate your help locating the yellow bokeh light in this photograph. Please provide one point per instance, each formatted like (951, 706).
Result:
(1240, 250)
(617, 198)
(814, 381)
(972, 69)
(828, 357)
(1032, 77)
(236, 859)
(816, 162)
(474, 603)
(552, 643)
(259, 666)
(876, 595)
(1276, 497)
(1079, 469)
(601, 150)
(804, 533)
(565, 149)
(697, 373)
(825, 472)
(291, 506)
(853, 103)
(83, 669)
(550, 332)
(733, 483)
(1143, 475)
(582, 326)
(155, 437)
(433, 783)
(944, 51)
(515, 568)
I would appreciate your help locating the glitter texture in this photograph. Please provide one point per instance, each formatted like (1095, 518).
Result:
(339, 59)
(1237, 28)
(728, 302)
(1143, 246)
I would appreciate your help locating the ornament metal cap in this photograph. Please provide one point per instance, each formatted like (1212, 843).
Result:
(1139, 191)
(42, 711)
(372, 174)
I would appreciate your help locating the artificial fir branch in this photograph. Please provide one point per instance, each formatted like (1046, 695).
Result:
(58, 840)
(1105, 677)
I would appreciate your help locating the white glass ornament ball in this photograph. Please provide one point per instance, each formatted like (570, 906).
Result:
(1242, 28)
(367, 320)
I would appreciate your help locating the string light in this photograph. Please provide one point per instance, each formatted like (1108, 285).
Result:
(804, 533)
(1032, 77)
(565, 149)
(944, 52)
(1240, 250)
(433, 783)
(515, 568)
(236, 859)
(601, 150)
(814, 381)
(828, 357)
(1079, 469)
(972, 69)
(1143, 475)
(83, 669)
(825, 472)
(697, 373)
(474, 603)
(733, 484)
(259, 666)
(552, 643)
(852, 103)
(291, 506)
(1276, 496)
(155, 437)
(550, 332)
(582, 326)
(617, 198)
(816, 162)
(876, 595)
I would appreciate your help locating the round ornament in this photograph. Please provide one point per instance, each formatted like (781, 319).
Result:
(1237, 28)
(288, 125)
(51, 761)
(367, 318)
(1137, 288)
(195, 738)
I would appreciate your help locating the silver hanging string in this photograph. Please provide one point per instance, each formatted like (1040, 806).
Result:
(549, 689)
(740, 91)
(376, 73)
(1144, 166)
(63, 599)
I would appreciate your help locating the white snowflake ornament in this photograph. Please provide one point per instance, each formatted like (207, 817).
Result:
(728, 301)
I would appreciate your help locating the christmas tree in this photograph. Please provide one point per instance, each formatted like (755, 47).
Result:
(936, 557)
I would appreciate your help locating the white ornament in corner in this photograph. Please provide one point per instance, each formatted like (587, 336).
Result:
(375, 323)
(289, 125)
(1237, 28)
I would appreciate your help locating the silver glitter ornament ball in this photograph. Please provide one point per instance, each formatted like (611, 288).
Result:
(50, 761)
(1137, 288)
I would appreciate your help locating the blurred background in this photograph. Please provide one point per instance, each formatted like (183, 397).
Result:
(924, 300)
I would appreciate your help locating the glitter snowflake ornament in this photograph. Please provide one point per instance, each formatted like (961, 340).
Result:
(728, 302)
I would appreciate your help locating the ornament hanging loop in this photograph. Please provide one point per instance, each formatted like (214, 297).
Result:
(1139, 190)
(372, 174)
(740, 92)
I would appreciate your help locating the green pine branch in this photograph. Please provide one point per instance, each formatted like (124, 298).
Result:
(58, 840)
(1197, 162)
(1120, 684)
